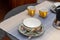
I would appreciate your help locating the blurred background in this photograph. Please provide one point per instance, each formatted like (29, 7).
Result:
(7, 5)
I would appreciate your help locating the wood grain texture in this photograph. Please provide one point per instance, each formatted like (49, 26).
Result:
(6, 5)
(3, 9)
(58, 0)
(15, 3)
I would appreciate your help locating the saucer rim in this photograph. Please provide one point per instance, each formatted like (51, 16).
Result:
(34, 35)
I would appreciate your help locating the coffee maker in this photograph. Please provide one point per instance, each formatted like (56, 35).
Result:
(56, 22)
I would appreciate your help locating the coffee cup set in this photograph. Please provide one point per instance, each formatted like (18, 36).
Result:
(31, 27)
(56, 9)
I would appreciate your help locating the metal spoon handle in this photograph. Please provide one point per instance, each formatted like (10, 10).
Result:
(29, 38)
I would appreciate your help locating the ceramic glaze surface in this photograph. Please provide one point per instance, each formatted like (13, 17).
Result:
(32, 22)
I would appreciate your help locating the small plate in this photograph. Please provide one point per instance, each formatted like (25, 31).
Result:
(23, 32)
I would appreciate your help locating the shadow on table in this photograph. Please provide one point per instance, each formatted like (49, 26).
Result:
(6, 36)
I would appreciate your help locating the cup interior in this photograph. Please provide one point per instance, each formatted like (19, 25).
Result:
(43, 10)
(32, 22)
(31, 7)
